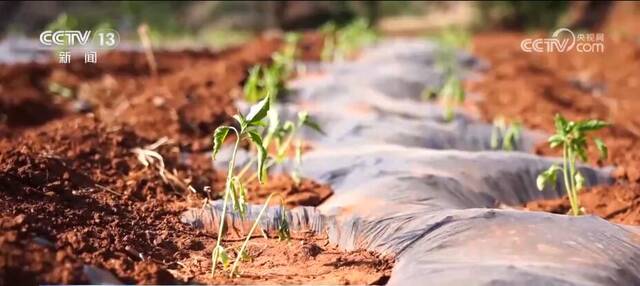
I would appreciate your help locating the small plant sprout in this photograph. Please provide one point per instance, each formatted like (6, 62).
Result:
(252, 92)
(284, 60)
(279, 138)
(249, 129)
(60, 90)
(509, 134)
(571, 136)
(263, 80)
(446, 60)
(451, 95)
(342, 43)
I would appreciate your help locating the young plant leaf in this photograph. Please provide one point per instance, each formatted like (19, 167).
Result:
(548, 177)
(581, 153)
(262, 154)
(238, 197)
(511, 137)
(556, 140)
(305, 119)
(258, 111)
(244, 256)
(591, 125)
(251, 92)
(561, 124)
(495, 134)
(286, 129)
(602, 148)
(283, 224)
(241, 121)
(218, 138)
(223, 257)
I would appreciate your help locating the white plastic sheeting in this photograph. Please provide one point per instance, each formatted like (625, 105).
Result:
(429, 192)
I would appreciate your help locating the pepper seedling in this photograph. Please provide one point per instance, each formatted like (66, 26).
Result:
(279, 138)
(284, 60)
(248, 129)
(508, 134)
(571, 136)
(344, 42)
(263, 80)
(451, 95)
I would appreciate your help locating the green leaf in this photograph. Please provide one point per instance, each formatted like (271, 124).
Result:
(262, 154)
(251, 91)
(244, 256)
(241, 121)
(511, 137)
(548, 177)
(581, 153)
(602, 148)
(494, 141)
(556, 140)
(560, 123)
(218, 138)
(305, 119)
(283, 224)
(238, 197)
(223, 257)
(591, 125)
(258, 111)
(287, 128)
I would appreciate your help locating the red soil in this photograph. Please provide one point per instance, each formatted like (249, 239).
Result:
(72, 191)
(533, 87)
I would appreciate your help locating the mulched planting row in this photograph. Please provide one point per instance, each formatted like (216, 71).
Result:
(72, 192)
(533, 87)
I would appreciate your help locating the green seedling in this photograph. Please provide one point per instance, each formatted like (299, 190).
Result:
(342, 43)
(571, 136)
(262, 81)
(451, 95)
(252, 90)
(60, 90)
(509, 134)
(279, 138)
(249, 128)
(270, 79)
(284, 60)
